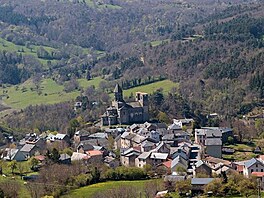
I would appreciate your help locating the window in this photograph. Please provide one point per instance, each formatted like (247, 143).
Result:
(261, 170)
(257, 166)
(251, 170)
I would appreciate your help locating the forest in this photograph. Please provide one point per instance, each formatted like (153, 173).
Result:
(213, 49)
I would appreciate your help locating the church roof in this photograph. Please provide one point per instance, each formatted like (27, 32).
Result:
(118, 89)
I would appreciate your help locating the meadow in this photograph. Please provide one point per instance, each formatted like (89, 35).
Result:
(32, 50)
(89, 191)
(23, 95)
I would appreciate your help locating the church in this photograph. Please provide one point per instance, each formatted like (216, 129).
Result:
(121, 112)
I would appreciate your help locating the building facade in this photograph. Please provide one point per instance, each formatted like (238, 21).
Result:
(121, 112)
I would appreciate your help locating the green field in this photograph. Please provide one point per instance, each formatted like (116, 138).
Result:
(242, 152)
(89, 191)
(21, 96)
(166, 86)
(9, 46)
(25, 94)
(157, 43)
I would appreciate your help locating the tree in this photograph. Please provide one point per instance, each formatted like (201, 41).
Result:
(247, 187)
(95, 175)
(55, 155)
(13, 166)
(183, 187)
(259, 126)
(230, 140)
(10, 188)
(214, 186)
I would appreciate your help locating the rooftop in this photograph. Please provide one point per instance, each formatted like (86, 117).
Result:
(201, 181)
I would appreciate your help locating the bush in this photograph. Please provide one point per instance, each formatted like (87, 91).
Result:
(125, 173)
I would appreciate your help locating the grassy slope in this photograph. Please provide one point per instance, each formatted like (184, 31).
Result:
(51, 93)
(89, 191)
(9, 46)
(242, 152)
(22, 96)
(166, 85)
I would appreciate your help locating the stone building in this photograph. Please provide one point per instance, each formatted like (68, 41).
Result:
(121, 112)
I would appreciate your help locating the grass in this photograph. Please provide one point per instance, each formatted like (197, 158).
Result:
(25, 94)
(9, 46)
(166, 85)
(89, 191)
(159, 42)
(23, 192)
(242, 152)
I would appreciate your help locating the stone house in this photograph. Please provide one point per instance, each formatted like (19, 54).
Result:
(127, 157)
(214, 147)
(253, 165)
(202, 168)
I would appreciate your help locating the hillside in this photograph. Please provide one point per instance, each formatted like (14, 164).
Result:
(211, 51)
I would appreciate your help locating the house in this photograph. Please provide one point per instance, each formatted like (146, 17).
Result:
(221, 132)
(257, 150)
(98, 136)
(129, 140)
(117, 144)
(253, 165)
(214, 147)
(260, 176)
(29, 150)
(198, 184)
(199, 136)
(128, 156)
(202, 168)
(143, 159)
(179, 163)
(153, 159)
(95, 156)
(10, 154)
(79, 156)
(64, 139)
(65, 159)
(147, 145)
(214, 162)
(223, 168)
(80, 136)
(84, 146)
(111, 162)
(161, 147)
(174, 128)
(122, 112)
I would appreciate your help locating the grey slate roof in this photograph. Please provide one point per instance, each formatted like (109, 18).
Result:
(180, 160)
(27, 147)
(201, 181)
(144, 155)
(213, 133)
(249, 163)
(213, 141)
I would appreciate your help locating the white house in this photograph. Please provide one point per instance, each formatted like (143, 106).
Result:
(253, 165)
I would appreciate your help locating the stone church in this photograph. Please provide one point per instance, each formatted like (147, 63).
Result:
(121, 112)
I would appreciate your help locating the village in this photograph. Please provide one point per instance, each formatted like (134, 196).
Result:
(174, 152)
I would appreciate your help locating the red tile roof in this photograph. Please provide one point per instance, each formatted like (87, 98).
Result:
(258, 174)
(94, 153)
(40, 157)
(167, 164)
